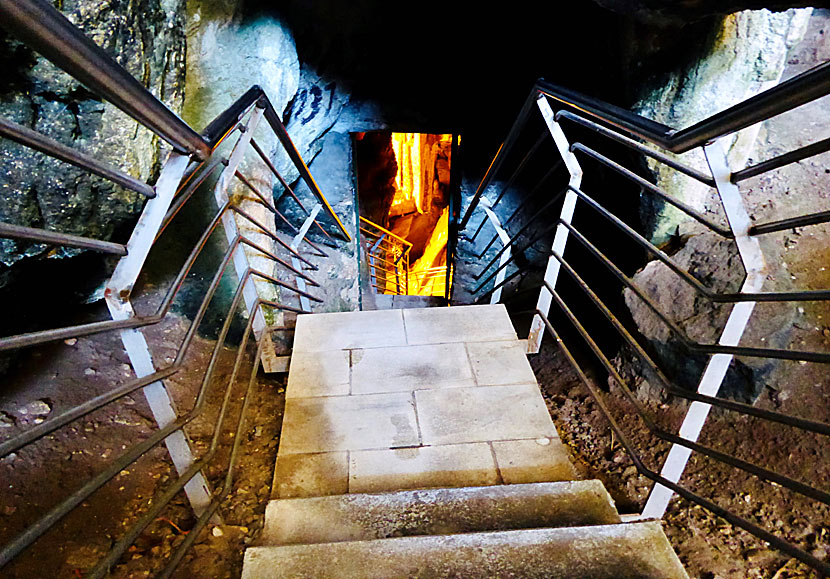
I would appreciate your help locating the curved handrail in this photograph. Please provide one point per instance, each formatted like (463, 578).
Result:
(781, 98)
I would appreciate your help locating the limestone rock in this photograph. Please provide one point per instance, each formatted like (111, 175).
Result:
(715, 262)
(677, 11)
(747, 54)
(147, 38)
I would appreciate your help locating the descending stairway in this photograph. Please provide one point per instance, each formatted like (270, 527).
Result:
(416, 443)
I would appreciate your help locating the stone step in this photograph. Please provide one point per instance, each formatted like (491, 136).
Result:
(360, 517)
(634, 550)
(395, 302)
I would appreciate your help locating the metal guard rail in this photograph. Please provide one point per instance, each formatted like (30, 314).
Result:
(493, 275)
(388, 259)
(193, 160)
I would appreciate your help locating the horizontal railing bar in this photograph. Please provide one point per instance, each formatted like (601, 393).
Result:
(785, 96)
(518, 234)
(282, 262)
(275, 211)
(40, 142)
(273, 119)
(284, 184)
(286, 285)
(218, 128)
(809, 295)
(810, 425)
(791, 223)
(784, 481)
(782, 160)
(775, 353)
(538, 187)
(514, 254)
(503, 282)
(650, 187)
(11, 231)
(40, 26)
(532, 193)
(501, 155)
(521, 167)
(386, 231)
(752, 528)
(270, 234)
(188, 191)
(632, 144)
(43, 336)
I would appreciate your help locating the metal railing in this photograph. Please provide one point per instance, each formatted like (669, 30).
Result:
(195, 158)
(388, 258)
(605, 123)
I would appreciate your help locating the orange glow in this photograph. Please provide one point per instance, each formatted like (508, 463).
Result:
(427, 276)
(408, 188)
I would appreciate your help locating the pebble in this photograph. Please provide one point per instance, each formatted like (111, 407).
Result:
(6, 420)
(40, 407)
(217, 532)
(71, 341)
(89, 372)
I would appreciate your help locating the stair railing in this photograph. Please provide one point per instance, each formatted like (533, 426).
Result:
(388, 257)
(194, 159)
(712, 137)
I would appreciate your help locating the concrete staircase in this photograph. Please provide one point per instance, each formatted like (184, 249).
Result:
(416, 443)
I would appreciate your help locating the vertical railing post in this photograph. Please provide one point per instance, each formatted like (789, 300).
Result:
(117, 296)
(240, 259)
(537, 327)
(710, 382)
(506, 254)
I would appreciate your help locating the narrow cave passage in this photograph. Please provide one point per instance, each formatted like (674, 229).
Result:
(403, 189)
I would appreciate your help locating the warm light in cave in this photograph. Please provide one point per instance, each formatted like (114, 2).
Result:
(408, 188)
(427, 276)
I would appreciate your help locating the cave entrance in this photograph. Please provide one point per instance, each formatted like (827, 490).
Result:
(406, 212)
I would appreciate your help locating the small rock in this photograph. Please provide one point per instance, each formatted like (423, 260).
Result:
(89, 372)
(8, 510)
(217, 532)
(71, 341)
(6, 420)
(40, 407)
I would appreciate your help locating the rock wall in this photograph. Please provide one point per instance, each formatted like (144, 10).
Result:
(147, 38)
(682, 11)
(745, 55)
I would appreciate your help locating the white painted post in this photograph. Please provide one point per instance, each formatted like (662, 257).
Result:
(537, 327)
(505, 256)
(240, 259)
(117, 297)
(753, 260)
(298, 239)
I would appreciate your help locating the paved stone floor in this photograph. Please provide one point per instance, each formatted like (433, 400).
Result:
(397, 399)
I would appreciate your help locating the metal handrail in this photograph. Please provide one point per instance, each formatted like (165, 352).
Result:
(42, 27)
(799, 90)
(739, 230)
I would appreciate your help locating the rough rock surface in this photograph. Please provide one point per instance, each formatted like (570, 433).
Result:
(147, 38)
(687, 10)
(746, 55)
(714, 261)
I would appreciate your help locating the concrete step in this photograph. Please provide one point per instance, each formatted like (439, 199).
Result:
(635, 550)
(394, 302)
(360, 517)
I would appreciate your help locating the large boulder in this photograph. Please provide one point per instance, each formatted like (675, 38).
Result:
(714, 261)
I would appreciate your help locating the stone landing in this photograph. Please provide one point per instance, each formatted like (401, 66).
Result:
(413, 398)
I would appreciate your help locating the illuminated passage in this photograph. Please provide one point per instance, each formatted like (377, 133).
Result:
(404, 192)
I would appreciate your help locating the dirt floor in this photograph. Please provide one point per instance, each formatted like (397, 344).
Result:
(50, 379)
